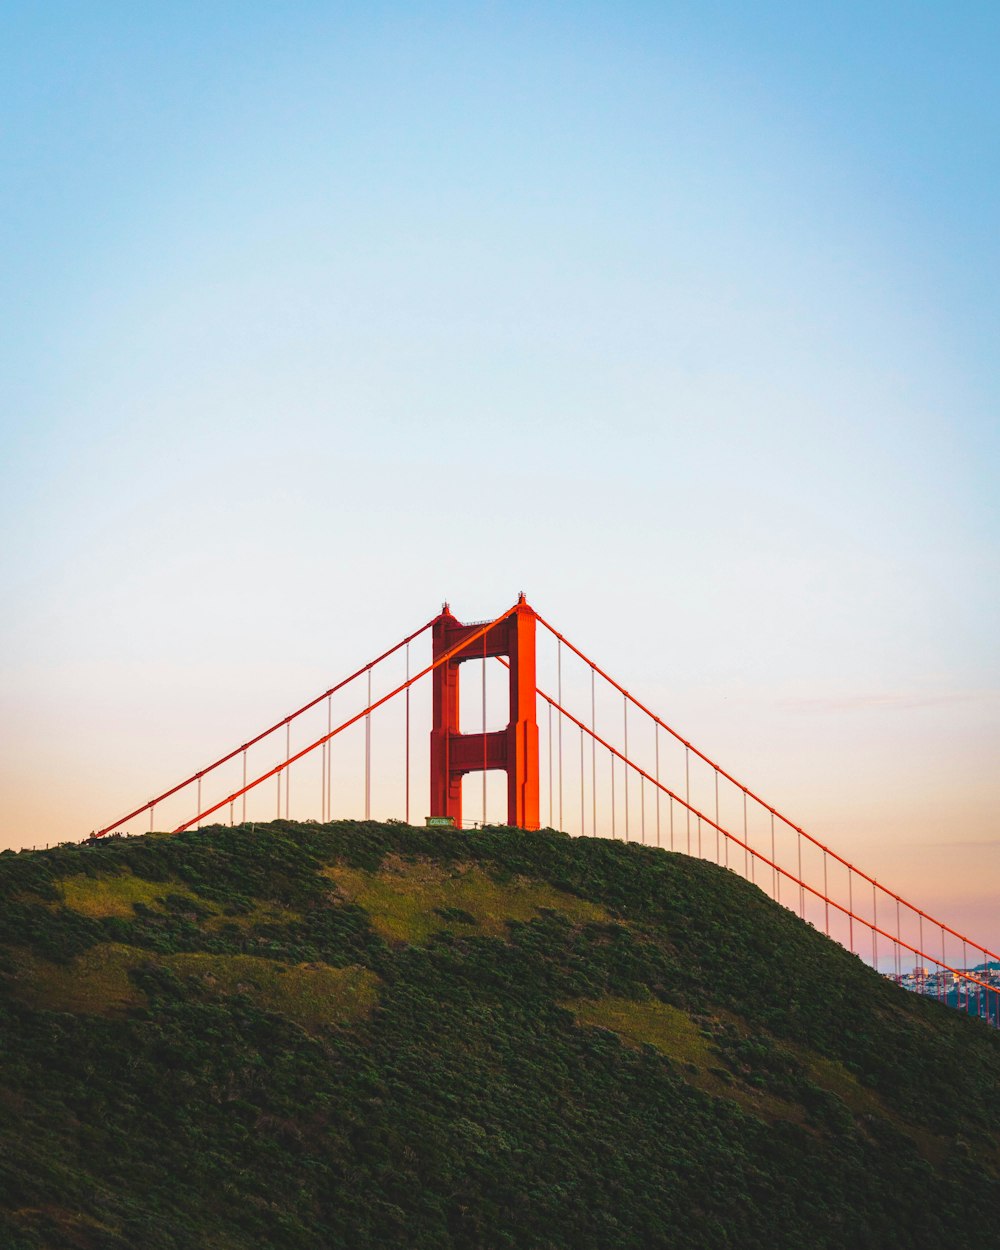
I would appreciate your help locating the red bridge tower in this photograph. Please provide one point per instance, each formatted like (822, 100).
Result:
(514, 749)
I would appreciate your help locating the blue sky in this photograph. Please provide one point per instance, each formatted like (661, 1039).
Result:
(687, 316)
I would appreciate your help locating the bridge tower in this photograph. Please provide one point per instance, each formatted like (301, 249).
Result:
(514, 749)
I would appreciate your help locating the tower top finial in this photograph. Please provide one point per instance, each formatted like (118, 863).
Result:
(520, 597)
(445, 608)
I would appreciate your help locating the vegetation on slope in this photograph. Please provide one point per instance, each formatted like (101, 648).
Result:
(360, 1035)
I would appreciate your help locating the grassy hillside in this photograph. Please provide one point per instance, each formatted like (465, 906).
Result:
(361, 1035)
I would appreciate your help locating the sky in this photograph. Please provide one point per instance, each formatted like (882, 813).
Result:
(680, 318)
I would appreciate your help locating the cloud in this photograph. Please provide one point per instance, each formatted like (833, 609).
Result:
(974, 844)
(881, 702)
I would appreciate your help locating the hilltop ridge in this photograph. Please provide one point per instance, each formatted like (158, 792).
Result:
(368, 1035)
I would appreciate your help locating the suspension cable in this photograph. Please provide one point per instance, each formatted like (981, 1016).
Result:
(804, 887)
(740, 786)
(266, 733)
(352, 720)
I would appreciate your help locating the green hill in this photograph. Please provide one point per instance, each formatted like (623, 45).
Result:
(363, 1035)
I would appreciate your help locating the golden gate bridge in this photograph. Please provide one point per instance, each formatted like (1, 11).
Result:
(596, 762)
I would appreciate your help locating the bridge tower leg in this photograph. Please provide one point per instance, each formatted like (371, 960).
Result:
(514, 749)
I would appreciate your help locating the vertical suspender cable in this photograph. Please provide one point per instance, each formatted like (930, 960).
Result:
(826, 894)
(593, 755)
(288, 771)
(625, 769)
(583, 827)
(746, 840)
(718, 857)
(277, 778)
(850, 906)
(199, 797)
(874, 923)
(328, 778)
(802, 893)
(642, 809)
(656, 741)
(776, 882)
(407, 735)
(152, 809)
(613, 833)
(687, 793)
(368, 753)
(560, 727)
(550, 765)
(322, 780)
(671, 822)
(484, 730)
(982, 994)
(243, 814)
(979, 994)
(965, 968)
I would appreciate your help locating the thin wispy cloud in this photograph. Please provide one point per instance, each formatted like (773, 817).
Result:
(977, 844)
(883, 702)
